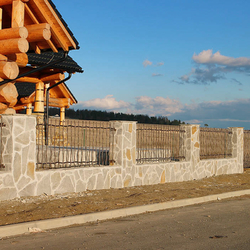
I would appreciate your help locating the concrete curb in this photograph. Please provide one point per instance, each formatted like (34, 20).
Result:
(21, 228)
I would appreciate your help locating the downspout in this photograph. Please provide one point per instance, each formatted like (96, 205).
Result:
(37, 69)
(46, 116)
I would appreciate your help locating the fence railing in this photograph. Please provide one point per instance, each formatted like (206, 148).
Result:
(158, 143)
(246, 160)
(215, 143)
(74, 143)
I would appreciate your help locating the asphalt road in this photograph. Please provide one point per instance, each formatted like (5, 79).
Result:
(218, 225)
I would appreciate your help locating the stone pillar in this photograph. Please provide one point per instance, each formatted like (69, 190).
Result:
(195, 146)
(185, 142)
(123, 147)
(19, 145)
(238, 147)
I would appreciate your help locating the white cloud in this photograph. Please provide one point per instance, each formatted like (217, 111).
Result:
(213, 67)
(160, 64)
(194, 121)
(215, 113)
(146, 63)
(106, 103)
(156, 74)
(157, 106)
(207, 57)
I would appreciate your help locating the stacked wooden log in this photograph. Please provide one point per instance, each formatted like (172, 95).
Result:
(15, 42)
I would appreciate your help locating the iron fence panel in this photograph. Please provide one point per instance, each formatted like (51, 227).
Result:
(73, 143)
(158, 143)
(215, 143)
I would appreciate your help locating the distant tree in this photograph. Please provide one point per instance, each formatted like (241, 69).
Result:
(205, 125)
(86, 114)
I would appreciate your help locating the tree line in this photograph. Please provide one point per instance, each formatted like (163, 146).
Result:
(86, 114)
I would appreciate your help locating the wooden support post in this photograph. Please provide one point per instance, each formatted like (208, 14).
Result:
(29, 109)
(18, 8)
(11, 46)
(8, 70)
(62, 115)
(46, 86)
(39, 98)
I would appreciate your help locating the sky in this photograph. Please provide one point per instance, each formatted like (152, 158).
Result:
(185, 59)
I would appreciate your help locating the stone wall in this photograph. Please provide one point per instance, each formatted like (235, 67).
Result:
(21, 179)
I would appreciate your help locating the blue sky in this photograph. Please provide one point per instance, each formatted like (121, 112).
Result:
(187, 60)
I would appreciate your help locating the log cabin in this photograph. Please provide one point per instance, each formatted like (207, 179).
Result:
(34, 46)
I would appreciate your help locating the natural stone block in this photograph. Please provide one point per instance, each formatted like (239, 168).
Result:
(65, 186)
(163, 177)
(29, 190)
(8, 181)
(44, 186)
(55, 180)
(127, 181)
(91, 184)
(80, 186)
(8, 193)
(100, 182)
(31, 170)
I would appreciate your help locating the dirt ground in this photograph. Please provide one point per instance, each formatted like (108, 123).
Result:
(55, 206)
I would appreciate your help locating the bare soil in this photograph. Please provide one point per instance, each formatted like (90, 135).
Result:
(55, 206)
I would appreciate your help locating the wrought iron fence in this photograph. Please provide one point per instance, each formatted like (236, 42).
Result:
(246, 149)
(159, 143)
(74, 143)
(215, 143)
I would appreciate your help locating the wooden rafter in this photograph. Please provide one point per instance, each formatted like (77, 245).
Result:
(54, 31)
(17, 18)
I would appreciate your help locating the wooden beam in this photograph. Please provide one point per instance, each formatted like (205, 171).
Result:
(8, 70)
(54, 77)
(38, 32)
(17, 18)
(28, 79)
(54, 31)
(59, 102)
(1, 18)
(15, 45)
(8, 94)
(53, 102)
(7, 2)
(20, 58)
(18, 32)
(30, 14)
(52, 46)
(61, 24)
(35, 47)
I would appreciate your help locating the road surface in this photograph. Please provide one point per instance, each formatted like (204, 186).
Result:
(218, 225)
